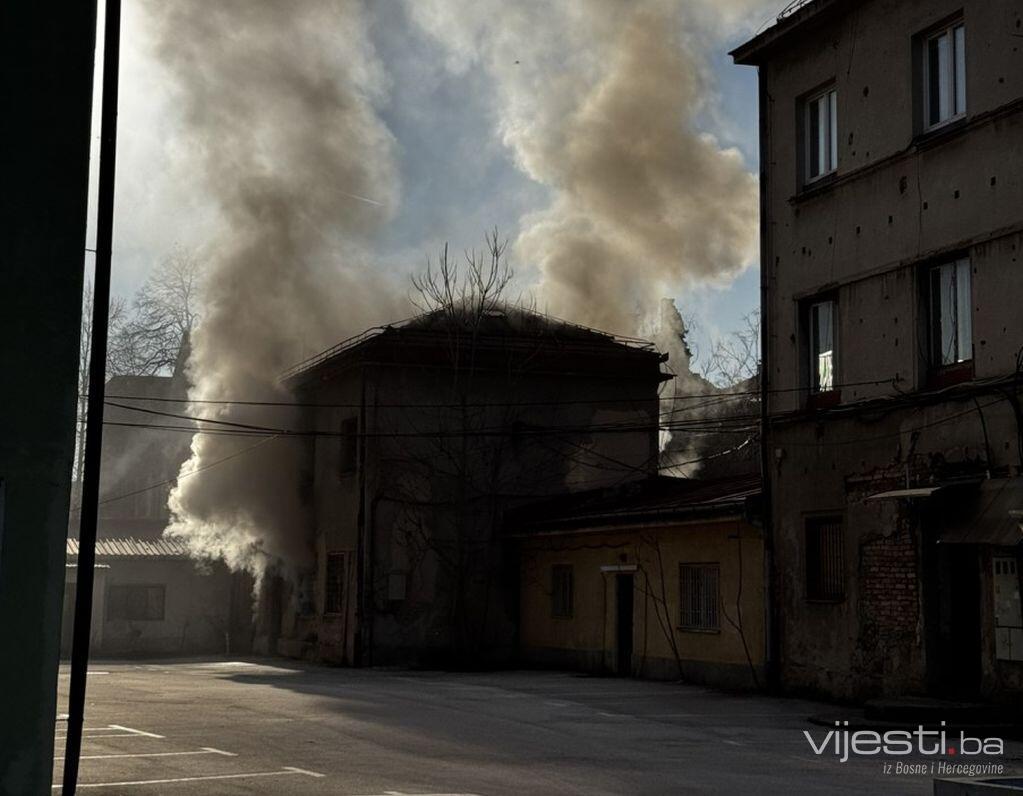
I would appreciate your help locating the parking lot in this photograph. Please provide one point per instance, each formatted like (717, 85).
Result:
(273, 727)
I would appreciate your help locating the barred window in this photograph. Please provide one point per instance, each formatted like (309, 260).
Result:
(136, 602)
(699, 596)
(561, 591)
(825, 559)
(334, 590)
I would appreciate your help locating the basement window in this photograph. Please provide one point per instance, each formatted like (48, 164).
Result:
(944, 75)
(820, 135)
(349, 450)
(949, 311)
(561, 591)
(699, 597)
(334, 588)
(136, 602)
(825, 559)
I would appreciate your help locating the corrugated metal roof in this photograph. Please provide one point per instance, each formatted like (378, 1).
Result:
(130, 547)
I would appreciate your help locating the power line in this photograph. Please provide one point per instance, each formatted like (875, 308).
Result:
(178, 477)
(489, 404)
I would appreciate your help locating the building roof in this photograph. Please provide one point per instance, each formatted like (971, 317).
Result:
(130, 547)
(501, 333)
(657, 499)
(794, 16)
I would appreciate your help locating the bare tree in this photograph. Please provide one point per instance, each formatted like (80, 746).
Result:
(735, 358)
(116, 319)
(449, 485)
(163, 312)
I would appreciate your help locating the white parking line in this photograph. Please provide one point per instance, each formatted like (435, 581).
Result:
(136, 732)
(206, 750)
(286, 771)
(103, 732)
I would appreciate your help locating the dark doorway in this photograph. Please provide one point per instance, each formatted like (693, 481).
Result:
(623, 633)
(959, 645)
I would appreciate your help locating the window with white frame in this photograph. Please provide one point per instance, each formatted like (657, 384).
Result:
(944, 75)
(950, 317)
(821, 320)
(820, 113)
(699, 597)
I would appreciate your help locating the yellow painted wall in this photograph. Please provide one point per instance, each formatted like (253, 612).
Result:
(587, 638)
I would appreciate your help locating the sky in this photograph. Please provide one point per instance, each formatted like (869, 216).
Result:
(457, 173)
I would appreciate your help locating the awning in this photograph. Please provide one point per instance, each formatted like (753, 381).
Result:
(894, 494)
(990, 515)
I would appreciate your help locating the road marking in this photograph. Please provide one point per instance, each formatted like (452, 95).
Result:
(125, 732)
(206, 750)
(304, 771)
(286, 771)
(135, 732)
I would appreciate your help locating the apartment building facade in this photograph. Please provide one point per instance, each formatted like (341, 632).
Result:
(892, 247)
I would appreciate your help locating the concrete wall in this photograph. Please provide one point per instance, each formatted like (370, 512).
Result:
(587, 639)
(197, 609)
(898, 202)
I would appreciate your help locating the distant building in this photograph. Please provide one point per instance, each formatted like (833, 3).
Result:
(660, 577)
(150, 598)
(891, 139)
(427, 432)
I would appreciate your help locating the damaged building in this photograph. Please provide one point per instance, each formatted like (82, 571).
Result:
(421, 435)
(891, 133)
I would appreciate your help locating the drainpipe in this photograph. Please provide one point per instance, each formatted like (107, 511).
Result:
(772, 609)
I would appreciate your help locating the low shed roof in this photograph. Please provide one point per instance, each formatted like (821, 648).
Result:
(130, 547)
(655, 499)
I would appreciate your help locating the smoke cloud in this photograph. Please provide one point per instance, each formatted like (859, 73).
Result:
(600, 101)
(281, 133)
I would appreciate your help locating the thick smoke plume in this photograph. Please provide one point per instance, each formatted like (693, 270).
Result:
(600, 101)
(280, 131)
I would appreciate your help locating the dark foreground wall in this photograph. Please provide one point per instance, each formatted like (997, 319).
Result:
(46, 75)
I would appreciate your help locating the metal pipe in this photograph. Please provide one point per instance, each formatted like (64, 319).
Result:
(97, 387)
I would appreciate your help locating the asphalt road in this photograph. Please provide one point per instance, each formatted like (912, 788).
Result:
(274, 727)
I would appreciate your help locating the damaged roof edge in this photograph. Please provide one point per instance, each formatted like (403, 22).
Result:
(756, 50)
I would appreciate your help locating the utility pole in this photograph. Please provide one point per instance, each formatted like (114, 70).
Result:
(97, 388)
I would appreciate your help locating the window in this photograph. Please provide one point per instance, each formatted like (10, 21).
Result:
(561, 591)
(136, 603)
(950, 320)
(944, 75)
(349, 449)
(1008, 612)
(822, 346)
(825, 559)
(820, 112)
(334, 589)
(699, 596)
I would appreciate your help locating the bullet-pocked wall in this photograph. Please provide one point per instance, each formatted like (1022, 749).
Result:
(900, 200)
